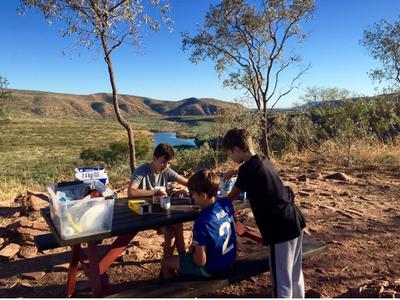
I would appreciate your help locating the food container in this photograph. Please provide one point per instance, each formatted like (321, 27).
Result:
(141, 207)
(81, 208)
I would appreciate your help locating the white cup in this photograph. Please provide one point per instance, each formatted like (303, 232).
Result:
(165, 202)
(156, 199)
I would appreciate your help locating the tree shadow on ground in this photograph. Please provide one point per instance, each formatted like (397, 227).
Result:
(8, 212)
(48, 262)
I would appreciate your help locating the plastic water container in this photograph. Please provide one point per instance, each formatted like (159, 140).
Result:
(225, 187)
(76, 215)
(229, 185)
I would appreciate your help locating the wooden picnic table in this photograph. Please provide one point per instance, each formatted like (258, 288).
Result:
(126, 224)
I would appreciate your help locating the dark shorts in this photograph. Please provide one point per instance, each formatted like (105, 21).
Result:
(188, 266)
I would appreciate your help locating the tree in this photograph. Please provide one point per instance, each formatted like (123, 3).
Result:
(344, 117)
(236, 116)
(383, 44)
(109, 24)
(4, 96)
(329, 109)
(249, 43)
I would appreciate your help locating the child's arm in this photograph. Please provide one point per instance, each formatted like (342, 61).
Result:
(182, 180)
(199, 255)
(133, 191)
(234, 193)
(173, 176)
(228, 174)
(183, 192)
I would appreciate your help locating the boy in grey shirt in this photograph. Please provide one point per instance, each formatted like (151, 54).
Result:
(158, 174)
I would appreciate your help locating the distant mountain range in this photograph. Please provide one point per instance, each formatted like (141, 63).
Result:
(56, 104)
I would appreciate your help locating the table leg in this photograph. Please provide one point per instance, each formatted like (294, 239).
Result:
(95, 279)
(73, 269)
(250, 234)
(242, 231)
(116, 248)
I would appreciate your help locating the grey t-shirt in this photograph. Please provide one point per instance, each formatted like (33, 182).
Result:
(148, 180)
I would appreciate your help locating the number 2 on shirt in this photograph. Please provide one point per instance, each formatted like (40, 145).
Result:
(227, 226)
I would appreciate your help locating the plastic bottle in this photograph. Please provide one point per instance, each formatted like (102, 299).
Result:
(228, 187)
(242, 197)
(62, 196)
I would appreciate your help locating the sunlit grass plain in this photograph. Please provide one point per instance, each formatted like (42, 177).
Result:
(37, 151)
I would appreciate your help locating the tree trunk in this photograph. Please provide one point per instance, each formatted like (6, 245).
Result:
(265, 144)
(121, 120)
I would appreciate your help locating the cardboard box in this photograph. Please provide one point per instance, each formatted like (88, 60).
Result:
(141, 207)
(88, 174)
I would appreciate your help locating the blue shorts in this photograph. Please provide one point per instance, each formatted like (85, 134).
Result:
(188, 266)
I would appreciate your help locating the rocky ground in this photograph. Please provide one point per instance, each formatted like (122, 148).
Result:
(357, 214)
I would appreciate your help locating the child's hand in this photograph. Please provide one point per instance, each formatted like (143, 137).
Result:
(181, 194)
(172, 185)
(228, 175)
(160, 193)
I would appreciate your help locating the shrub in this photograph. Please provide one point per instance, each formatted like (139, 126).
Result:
(203, 157)
(117, 153)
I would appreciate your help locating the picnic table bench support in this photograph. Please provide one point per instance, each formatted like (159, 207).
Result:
(94, 270)
(73, 269)
(93, 266)
(251, 234)
(117, 247)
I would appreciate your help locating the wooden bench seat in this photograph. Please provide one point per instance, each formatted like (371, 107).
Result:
(190, 286)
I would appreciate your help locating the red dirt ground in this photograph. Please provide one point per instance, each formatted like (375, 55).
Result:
(359, 219)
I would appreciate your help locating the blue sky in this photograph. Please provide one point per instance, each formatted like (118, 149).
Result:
(31, 54)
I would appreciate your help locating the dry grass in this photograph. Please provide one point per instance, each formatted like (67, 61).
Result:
(365, 154)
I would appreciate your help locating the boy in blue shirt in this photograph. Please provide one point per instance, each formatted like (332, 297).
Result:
(213, 249)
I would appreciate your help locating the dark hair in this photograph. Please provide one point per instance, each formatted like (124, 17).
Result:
(204, 181)
(165, 150)
(237, 138)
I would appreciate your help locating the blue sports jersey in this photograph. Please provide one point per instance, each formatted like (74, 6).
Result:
(214, 228)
